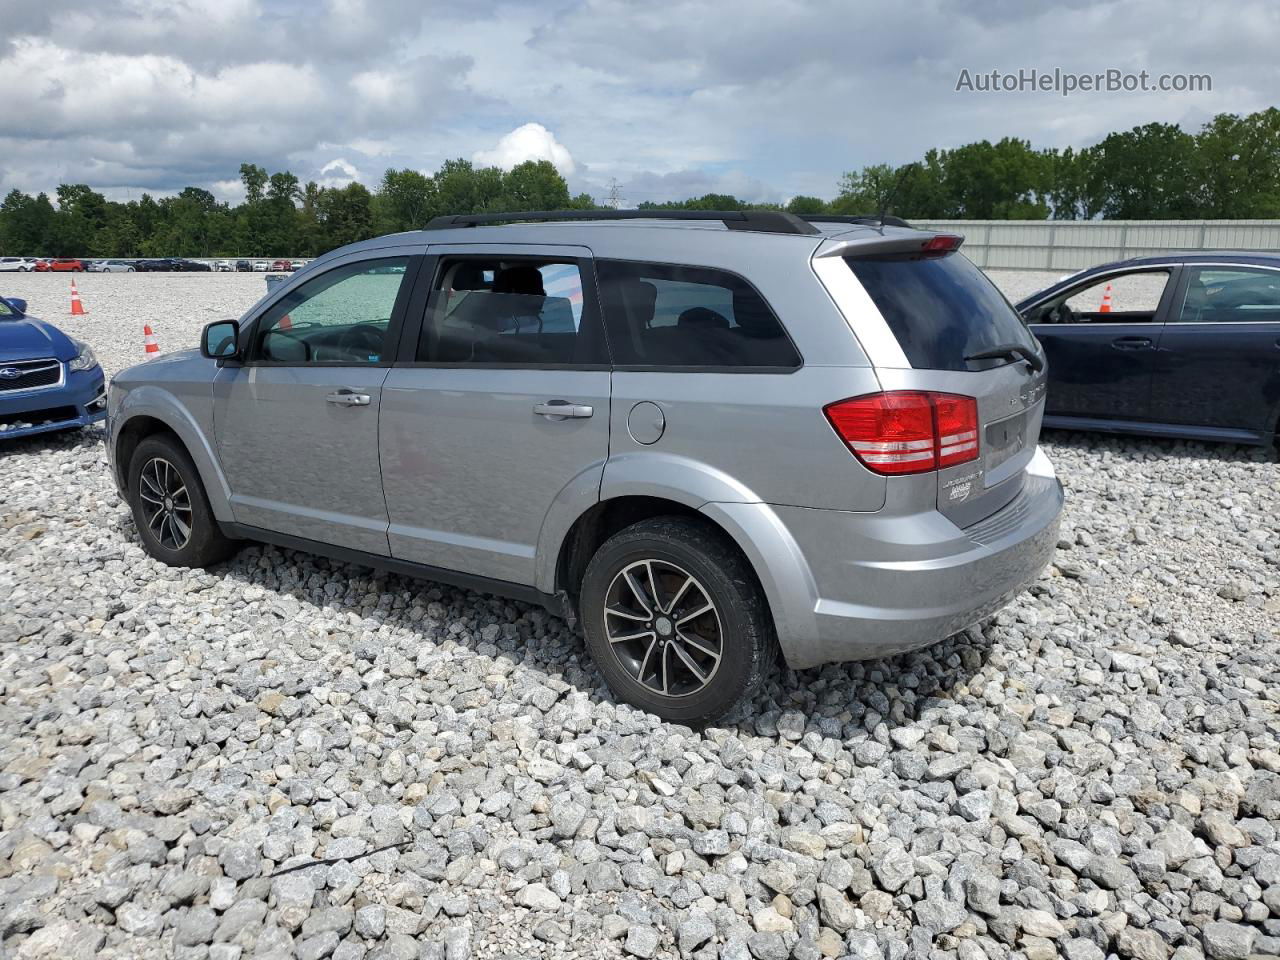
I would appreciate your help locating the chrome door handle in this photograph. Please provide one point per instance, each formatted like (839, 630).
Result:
(562, 410)
(348, 398)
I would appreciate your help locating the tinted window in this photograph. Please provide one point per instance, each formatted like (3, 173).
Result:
(501, 312)
(941, 309)
(341, 316)
(667, 316)
(1217, 295)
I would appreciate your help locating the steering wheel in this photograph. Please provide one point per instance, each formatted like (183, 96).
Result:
(363, 340)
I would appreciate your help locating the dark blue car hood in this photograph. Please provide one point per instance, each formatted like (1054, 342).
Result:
(27, 338)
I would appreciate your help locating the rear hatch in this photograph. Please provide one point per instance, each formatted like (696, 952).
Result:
(960, 338)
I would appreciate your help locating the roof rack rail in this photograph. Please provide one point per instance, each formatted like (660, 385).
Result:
(761, 221)
(869, 220)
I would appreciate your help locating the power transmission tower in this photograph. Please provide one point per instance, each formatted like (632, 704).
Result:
(615, 197)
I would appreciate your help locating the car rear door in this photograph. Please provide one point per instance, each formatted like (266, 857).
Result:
(1219, 355)
(297, 423)
(497, 408)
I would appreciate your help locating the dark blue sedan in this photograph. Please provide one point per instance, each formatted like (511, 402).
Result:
(1184, 345)
(48, 380)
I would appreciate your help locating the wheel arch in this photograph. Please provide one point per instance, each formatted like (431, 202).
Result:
(149, 410)
(753, 528)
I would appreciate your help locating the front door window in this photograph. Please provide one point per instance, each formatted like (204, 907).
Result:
(341, 316)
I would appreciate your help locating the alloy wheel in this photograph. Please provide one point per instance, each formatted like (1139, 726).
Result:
(166, 503)
(663, 627)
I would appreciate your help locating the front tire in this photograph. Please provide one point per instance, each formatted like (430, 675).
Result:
(170, 509)
(676, 621)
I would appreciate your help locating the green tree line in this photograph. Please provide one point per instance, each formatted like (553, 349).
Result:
(278, 217)
(1228, 169)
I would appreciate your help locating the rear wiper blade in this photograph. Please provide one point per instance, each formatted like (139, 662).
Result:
(1034, 360)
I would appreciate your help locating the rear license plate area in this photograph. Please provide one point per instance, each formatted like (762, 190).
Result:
(1004, 439)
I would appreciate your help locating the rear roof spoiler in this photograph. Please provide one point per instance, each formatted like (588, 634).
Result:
(862, 220)
(922, 242)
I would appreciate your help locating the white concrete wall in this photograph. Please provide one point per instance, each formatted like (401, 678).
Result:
(1066, 245)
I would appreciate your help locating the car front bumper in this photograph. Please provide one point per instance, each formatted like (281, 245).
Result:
(887, 585)
(80, 401)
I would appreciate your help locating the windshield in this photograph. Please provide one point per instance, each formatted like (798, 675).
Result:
(6, 310)
(942, 310)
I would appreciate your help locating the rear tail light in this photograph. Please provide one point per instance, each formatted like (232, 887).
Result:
(908, 431)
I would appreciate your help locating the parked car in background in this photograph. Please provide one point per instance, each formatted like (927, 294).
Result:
(60, 265)
(282, 266)
(158, 265)
(224, 266)
(190, 266)
(819, 436)
(299, 264)
(244, 266)
(261, 266)
(48, 380)
(111, 266)
(17, 264)
(1187, 345)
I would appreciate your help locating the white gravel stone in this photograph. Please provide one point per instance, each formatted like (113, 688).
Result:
(179, 747)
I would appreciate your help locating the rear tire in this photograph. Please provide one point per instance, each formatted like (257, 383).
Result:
(676, 621)
(170, 509)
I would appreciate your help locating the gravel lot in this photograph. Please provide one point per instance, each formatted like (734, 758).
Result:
(290, 757)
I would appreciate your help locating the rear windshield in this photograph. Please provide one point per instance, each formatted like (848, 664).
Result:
(941, 309)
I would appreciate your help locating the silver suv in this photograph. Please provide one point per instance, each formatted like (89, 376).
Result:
(704, 436)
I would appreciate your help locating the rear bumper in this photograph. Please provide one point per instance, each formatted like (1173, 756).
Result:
(81, 400)
(886, 585)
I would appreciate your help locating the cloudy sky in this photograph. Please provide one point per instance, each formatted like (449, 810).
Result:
(761, 98)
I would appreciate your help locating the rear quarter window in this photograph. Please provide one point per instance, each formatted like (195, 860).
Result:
(675, 317)
(940, 309)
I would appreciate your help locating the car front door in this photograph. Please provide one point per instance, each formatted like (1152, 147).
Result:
(1100, 337)
(497, 408)
(297, 422)
(1219, 358)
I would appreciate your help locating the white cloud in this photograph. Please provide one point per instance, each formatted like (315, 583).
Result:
(766, 103)
(338, 173)
(532, 141)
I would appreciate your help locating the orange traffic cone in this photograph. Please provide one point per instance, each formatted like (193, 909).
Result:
(77, 308)
(1106, 300)
(149, 344)
(286, 323)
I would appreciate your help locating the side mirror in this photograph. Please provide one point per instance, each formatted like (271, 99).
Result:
(19, 306)
(221, 340)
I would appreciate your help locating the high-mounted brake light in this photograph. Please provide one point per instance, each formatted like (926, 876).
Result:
(907, 431)
(941, 243)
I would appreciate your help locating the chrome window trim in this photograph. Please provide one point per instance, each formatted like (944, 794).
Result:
(1151, 267)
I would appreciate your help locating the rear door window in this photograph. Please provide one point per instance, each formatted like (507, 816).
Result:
(673, 317)
(1218, 295)
(941, 309)
(510, 311)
